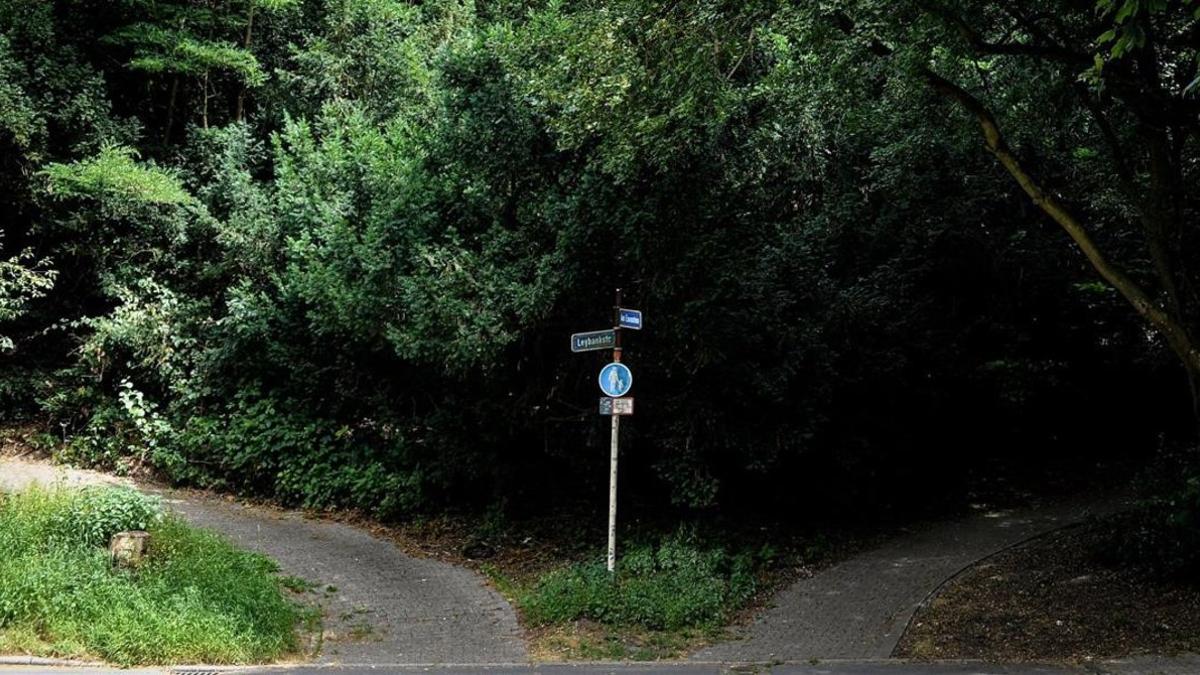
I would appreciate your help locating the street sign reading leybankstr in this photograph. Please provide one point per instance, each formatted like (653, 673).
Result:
(616, 406)
(629, 318)
(593, 340)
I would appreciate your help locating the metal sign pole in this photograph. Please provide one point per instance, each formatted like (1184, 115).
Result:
(612, 496)
(616, 434)
(615, 380)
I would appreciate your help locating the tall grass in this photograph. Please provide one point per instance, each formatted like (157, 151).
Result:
(194, 599)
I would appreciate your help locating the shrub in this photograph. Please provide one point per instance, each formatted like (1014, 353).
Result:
(1163, 534)
(93, 515)
(681, 583)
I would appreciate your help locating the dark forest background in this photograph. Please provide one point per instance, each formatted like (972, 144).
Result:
(330, 251)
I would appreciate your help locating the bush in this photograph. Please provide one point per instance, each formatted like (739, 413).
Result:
(195, 598)
(18, 393)
(680, 584)
(93, 515)
(263, 446)
(1163, 535)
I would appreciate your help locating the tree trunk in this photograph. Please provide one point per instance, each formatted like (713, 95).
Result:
(171, 110)
(241, 98)
(204, 109)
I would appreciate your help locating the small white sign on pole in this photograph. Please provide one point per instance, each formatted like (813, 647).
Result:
(616, 406)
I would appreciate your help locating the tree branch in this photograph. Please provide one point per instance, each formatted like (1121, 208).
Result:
(1051, 51)
(1166, 325)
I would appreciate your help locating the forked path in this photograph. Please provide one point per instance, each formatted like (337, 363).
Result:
(859, 608)
(385, 607)
(380, 605)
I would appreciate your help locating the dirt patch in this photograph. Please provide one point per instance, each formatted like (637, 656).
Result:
(585, 640)
(1056, 599)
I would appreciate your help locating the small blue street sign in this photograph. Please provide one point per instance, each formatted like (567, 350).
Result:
(615, 380)
(629, 318)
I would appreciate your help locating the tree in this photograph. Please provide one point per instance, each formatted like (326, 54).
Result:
(350, 282)
(196, 41)
(1136, 94)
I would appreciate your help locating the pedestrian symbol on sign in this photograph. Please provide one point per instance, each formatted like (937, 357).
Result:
(615, 380)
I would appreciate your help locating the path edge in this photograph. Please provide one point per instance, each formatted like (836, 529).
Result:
(937, 590)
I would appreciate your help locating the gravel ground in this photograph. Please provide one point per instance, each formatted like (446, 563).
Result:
(380, 605)
(17, 473)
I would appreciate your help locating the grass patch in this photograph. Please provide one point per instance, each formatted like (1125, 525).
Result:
(194, 599)
(664, 597)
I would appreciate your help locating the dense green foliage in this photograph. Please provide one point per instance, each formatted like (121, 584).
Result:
(330, 251)
(194, 599)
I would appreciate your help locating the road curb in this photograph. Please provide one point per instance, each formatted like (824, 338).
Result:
(53, 663)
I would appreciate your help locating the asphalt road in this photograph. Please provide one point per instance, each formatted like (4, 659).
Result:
(1181, 665)
(424, 612)
(718, 669)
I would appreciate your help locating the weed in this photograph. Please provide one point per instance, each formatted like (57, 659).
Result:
(681, 583)
(92, 515)
(297, 585)
(360, 631)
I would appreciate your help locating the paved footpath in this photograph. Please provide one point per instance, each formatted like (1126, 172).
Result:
(859, 608)
(380, 605)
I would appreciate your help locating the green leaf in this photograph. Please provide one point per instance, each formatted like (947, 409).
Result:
(115, 173)
(1127, 10)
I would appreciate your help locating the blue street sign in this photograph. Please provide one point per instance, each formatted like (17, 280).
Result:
(629, 318)
(615, 380)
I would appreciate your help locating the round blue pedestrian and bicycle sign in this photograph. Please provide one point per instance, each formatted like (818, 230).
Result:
(615, 380)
